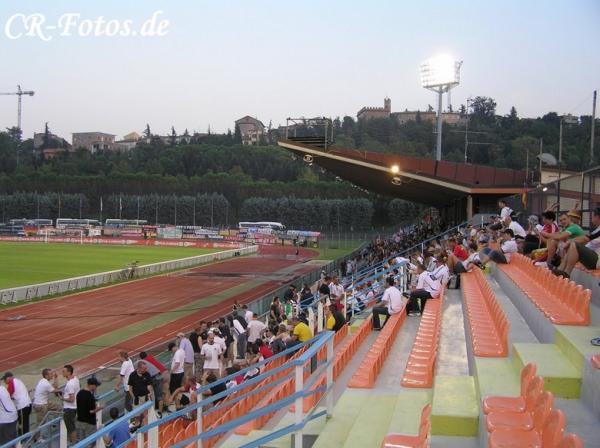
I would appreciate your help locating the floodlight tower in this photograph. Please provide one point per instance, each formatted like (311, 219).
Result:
(440, 74)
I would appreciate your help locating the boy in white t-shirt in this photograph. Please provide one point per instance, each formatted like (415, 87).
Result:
(211, 353)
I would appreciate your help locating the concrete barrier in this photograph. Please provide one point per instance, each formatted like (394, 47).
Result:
(29, 292)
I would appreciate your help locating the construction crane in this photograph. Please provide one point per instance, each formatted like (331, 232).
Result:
(20, 94)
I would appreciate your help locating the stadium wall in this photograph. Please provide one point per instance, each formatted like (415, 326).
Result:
(24, 293)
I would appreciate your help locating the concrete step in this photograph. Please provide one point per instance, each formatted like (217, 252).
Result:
(372, 422)
(455, 410)
(561, 377)
(574, 342)
(345, 413)
(496, 376)
(406, 417)
(453, 442)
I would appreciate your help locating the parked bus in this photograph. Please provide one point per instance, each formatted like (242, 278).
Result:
(122, 223)
(276, 226)
(31, 222)
(63, 223)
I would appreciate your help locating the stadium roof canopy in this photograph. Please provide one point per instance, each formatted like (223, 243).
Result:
(415, 179)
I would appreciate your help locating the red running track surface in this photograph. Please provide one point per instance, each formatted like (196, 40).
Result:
(63, 322)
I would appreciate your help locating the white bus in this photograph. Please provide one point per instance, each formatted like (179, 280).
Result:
(63, 223)
(276, 226)
(121, 223)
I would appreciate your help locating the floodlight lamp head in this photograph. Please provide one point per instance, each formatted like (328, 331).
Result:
(395, 169)
(308, 158)
(548, 159)
(440, 71)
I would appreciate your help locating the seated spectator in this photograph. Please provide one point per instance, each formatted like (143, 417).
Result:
(507, 248)
(427, 287)
(302, 332)
(587, 254)
(391, 303)
(119, 432)
(555, 241)
(335, 319)
(517, 228)
(263, 349)
(216, 389)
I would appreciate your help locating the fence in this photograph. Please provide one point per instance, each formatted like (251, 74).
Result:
(14, 295)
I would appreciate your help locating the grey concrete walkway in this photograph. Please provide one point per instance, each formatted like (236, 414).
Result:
(452, 355)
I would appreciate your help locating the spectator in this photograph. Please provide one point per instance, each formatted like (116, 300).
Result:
(556, 240)
(301, 333)
(140, 385)
(186, 346)
(156, 370)
(247, 313)
(306, 296)
(18, 392)
(119, 432)
(8, 417)
(391, 303)
(239, 330)
(69, 398)
(587, 254)
(324, 286)
(177, 367)
(440, 271)
(255, 329)
(211, 353)
(194, 338)
(290, 294)
(263, 349)
(186, 394)
(505, 210)
(517, 229)
(336, 319)
(427, 287)
(216, 389)
(275, 311)
(507, 248)
(336, 292)
(123, 379)
(87, 408)
(226, 334)
(41, 394)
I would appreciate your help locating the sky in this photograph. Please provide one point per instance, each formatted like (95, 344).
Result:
(218, 60)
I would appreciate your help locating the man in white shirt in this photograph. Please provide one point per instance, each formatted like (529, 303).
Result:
(186, 345)
(211, 353)
(239, 331)
(123, 379)
(507, 248)
(177, 367)
(427, 287)
(41, 394)
(517, 228)
(69, 398)
(255, 329)
(505, 210)
(392, 299)
(20, 395)
(247, 313)
(8, 417)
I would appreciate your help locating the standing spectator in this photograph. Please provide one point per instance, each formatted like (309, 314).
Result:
(290, 293)
(156, 371)
(211, 353)
(193, 337)
(8, 417)
(69, 398)
(247, 313)
(391, 304)
(239, 329)
(275, 311)
(18, 392)
(186, 346)
(140, 385)
(119, 432)
(505, 210)
(41, 395)
(336, 292)
(306, 296)
(87, 407)
(324, 286)
(177, 372)
(255, 329)
(123, 378)
(226, 334)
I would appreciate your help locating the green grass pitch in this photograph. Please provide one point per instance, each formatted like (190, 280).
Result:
(30, 263)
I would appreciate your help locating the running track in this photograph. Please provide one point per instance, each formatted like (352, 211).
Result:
(53, 325)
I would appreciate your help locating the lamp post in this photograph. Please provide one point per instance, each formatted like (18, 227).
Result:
(568, 119)
(440, 74)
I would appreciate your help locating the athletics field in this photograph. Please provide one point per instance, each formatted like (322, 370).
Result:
(30, 263)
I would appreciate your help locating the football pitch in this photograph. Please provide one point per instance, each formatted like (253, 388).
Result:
(30, 263)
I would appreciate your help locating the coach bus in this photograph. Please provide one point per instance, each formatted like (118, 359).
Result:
(123, 223)
(31, 222)
(63, 223)
(276, 226)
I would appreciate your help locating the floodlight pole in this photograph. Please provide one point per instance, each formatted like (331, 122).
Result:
(438, 147)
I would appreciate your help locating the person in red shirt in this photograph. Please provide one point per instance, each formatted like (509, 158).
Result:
(263, 349)
(456, 255)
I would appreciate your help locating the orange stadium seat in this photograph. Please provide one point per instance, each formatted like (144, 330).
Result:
(547, 433)
(562, 301)
(409, 441)
(511, 404)
(535, 401)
